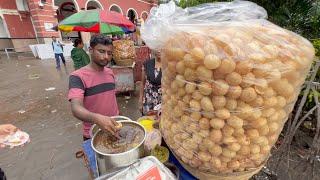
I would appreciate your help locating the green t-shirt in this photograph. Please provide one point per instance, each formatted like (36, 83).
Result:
(80, 58)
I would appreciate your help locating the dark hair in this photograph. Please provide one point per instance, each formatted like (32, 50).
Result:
(76, 42)
(100, 39)
(53, 37)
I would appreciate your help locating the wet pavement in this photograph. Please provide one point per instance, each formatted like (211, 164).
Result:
(55, 134)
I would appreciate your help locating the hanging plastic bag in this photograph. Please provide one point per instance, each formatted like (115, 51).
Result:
(230, 80)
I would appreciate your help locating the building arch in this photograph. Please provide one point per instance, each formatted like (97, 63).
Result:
(22, 5)
(144, 15)
(116, 8)
(3, 29)
(55, 4)
(93, 2)
(64, 9)
(132, 14)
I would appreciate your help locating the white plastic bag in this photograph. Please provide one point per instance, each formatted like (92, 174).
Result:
(167, 19)
(230, 80)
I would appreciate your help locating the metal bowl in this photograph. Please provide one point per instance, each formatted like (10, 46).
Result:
(108, 163)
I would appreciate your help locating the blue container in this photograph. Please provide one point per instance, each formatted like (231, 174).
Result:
(88, 151)
(184, 174)
(86, 145)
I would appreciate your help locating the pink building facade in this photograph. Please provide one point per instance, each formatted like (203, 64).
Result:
(24, 22)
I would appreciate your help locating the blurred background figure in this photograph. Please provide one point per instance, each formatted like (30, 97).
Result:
(79, 56)
(150, 90)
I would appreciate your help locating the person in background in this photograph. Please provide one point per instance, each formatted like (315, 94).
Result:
(58, 51)
(79, 56)
(5, 130)
(150, 90)
(92, 89)
(115, 37)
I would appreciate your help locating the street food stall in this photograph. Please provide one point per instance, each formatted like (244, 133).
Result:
(108, 23)
(124, 78)
(124, 56)
(156, 152)
(128, 69)
(127, 74)
(230, 80)
(110, 159)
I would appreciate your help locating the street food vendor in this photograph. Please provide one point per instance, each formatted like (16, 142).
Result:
(92, 89)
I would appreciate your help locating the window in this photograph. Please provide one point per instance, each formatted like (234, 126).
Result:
(22, 5)
(115, 8)
(3, 32)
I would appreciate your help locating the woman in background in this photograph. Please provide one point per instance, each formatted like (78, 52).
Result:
(79, 56)
(150, 90)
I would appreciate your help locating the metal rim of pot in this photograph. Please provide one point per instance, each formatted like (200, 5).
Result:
(122, 121)
(118, 118)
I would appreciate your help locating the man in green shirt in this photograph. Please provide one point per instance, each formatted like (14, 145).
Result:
(79, 56)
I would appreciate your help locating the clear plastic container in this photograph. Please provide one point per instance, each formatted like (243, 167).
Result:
(230, 80)
(136, 170)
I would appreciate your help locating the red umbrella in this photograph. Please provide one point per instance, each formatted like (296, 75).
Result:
(117, 19)
(91, 18)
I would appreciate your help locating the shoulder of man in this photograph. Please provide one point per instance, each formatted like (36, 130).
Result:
(109, 71)
(79, 72)
(76, 79)
(75, 82)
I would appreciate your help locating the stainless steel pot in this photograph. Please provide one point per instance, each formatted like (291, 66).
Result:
(108, 163)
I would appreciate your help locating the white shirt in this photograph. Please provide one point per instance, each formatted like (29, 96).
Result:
(57, 49)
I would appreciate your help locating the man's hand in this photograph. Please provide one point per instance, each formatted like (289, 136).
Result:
(6, 130)
(106, 124)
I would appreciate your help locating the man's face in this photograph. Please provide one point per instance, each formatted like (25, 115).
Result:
(54, 38)
(101, 54)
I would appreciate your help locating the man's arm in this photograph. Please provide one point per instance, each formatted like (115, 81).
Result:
(80, 112)
(61, 43)
(106, 123)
